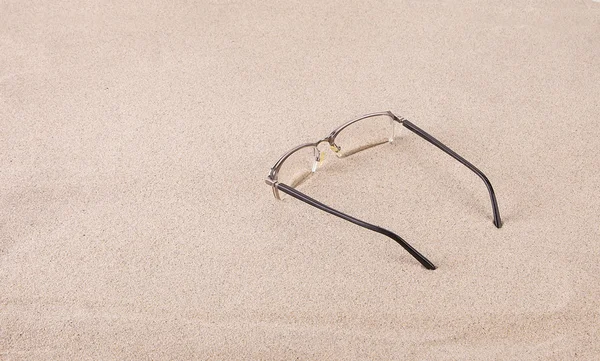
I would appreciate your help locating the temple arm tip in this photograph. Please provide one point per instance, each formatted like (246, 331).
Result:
(497, 223)
(430, 266)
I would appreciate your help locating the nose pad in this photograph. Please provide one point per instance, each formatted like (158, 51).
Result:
(318, 159)
(336, 150)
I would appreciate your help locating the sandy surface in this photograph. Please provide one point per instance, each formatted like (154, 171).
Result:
(135, 222)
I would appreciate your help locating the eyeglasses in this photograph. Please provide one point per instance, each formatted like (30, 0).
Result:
(367, 131)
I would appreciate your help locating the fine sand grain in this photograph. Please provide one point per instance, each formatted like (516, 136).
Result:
(135, 223)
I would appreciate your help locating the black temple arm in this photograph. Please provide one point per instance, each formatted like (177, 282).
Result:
(306, 199)
(420, 132)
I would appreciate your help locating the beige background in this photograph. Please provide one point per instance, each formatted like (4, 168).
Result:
(135, 222)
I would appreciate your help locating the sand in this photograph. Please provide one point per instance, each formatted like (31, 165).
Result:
(135, 222)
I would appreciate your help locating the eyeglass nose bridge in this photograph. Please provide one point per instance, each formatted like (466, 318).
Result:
(330, 140)
(327, 139)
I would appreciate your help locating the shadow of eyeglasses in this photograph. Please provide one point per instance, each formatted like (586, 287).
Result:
(360, 149)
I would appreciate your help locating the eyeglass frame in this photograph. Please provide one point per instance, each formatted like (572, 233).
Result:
(272, 180)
